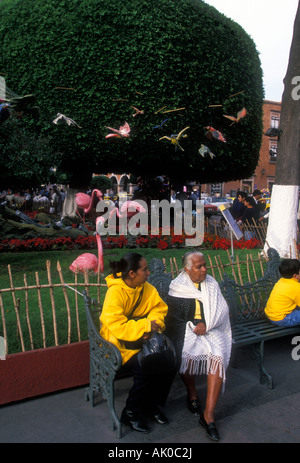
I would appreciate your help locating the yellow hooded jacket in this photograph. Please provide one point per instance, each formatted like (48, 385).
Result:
(119, 301)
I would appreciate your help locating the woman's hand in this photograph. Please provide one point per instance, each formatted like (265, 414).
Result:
(155, 326)
(200, 329)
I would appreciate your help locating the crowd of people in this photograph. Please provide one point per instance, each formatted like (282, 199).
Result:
(247, 210)
(49, 198)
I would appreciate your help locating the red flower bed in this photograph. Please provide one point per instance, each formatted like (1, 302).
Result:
(158, 240)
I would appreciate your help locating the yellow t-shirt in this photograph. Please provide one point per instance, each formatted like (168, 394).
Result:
(198, 312)
(283, 299)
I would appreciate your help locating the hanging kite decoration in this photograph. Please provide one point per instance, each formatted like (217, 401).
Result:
(4, 111)
(213, 134)
(123, 131)
(66, 119)
(240, 115)
(161, 125)
(137, 111)
(12, 102)
(174, 138)
(203, 150)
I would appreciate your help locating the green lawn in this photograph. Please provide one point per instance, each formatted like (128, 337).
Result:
(36, 306)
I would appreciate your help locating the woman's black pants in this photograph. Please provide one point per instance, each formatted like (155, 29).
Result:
(148, 390)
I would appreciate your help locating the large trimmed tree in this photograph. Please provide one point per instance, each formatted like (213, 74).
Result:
(282, 228)
(92, 60)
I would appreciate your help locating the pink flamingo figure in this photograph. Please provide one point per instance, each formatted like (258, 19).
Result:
(89, 261)
(125, 212)
(85, 202)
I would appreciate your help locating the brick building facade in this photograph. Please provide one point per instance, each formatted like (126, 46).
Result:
(264, 175)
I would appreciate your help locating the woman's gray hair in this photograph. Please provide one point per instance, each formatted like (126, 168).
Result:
(188, 257)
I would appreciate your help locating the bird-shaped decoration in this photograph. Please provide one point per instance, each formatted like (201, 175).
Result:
(213, 134)
(137, 111)
(4, 111)
(123, 131)
(240, 115)
(174, 138)
(66, 119)
(85, 202)
(204, 149)
(21, 103)
(128, 209)
(161, 125)
(88, 261)
(18, 104)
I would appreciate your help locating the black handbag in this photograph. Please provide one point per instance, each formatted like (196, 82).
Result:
(158, 354)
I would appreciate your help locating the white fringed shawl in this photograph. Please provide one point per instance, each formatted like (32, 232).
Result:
(204, 354)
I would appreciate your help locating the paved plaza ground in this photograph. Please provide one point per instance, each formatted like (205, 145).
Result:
(248, 412)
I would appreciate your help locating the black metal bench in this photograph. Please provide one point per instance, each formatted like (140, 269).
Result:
(249, 324)
(249, 327)
(105, 357)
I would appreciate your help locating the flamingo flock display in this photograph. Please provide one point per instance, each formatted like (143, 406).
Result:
(88, 261)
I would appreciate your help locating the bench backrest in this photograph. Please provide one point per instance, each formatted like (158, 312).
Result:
(158, 278)
(246, 302)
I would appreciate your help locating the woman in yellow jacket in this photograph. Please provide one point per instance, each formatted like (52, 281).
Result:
(132, 309)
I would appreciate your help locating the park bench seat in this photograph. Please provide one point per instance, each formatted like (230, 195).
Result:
(249, 327)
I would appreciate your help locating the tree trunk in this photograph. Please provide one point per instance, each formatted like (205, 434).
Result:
(282, 228)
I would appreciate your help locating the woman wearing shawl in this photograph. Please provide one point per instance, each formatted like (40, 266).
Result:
(132, 309)
(198, 324)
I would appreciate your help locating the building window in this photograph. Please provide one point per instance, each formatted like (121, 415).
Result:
(275, 119)
(273, 150)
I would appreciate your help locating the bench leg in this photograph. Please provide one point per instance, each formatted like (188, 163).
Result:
(116, 424)
(265, 377)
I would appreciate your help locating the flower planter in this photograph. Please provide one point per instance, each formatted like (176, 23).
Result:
(33, 373)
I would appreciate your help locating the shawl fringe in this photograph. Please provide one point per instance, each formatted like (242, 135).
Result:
(203, 365)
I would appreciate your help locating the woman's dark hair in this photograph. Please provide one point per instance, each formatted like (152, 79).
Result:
(289, 267)
(250, 200)
(129, 262)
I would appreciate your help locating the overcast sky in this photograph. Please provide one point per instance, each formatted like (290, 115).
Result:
(270, 24)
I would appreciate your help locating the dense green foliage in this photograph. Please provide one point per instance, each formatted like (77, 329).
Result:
(26, 157)
(171, 53)
(100, 182)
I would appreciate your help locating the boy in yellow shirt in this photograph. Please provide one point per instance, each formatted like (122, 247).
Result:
(283, 306)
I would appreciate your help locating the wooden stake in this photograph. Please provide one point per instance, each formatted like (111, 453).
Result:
(76, 306)
(41, 308)
(66, 300)
(48, 264)
(172, 110)
(4, 325)
(211, 266)
(172, 268)
(253, 267)
(232, 267)
(27, 312)
(16, 308)
(248, 270)
(218, 267)
(176, 266)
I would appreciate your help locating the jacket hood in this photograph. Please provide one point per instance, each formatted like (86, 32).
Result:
(112, 281)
